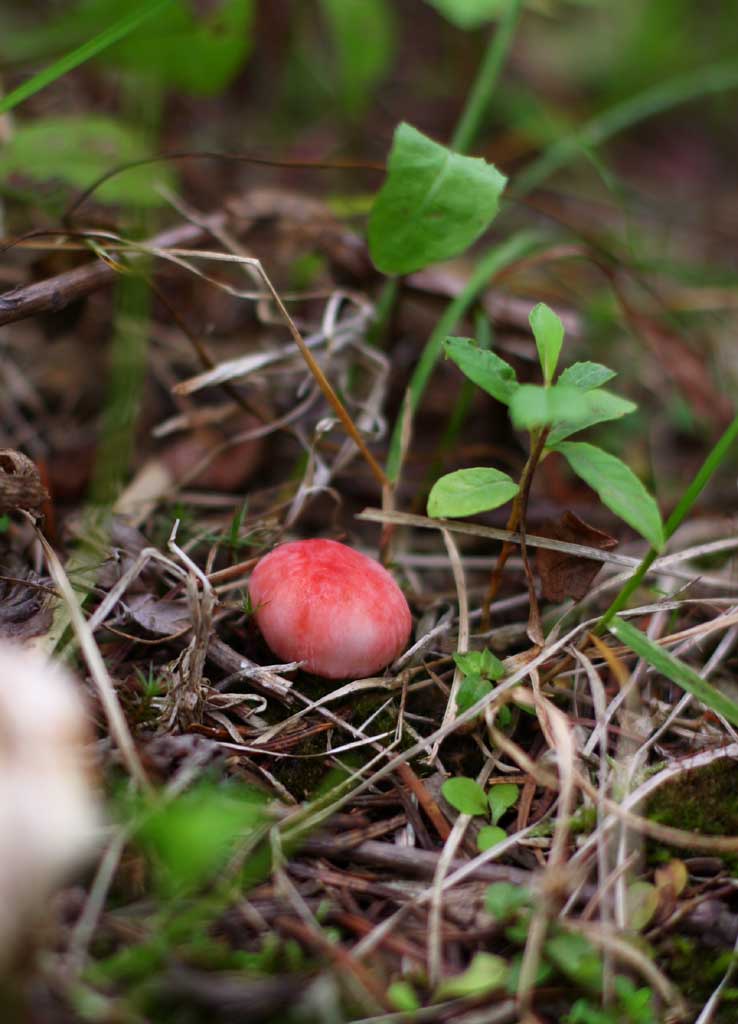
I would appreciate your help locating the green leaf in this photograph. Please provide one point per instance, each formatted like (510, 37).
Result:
(472, 690)
(485, 973)
(363, 34)
(617, 486)
(535, 406)
(503, 899)
(468, 491)
(673, 668)
(432, 205)
(403, 996)
(586, 376)
(548, 331)
(577, 958)
(465, 795)
(482, 663)
(467, 14)
(490, 836)
(601, 406)
(501, 798)
(76, 149)
(483, 368)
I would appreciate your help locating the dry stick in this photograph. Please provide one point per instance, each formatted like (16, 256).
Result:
(517, 516)
(55, 293)
(106, 691)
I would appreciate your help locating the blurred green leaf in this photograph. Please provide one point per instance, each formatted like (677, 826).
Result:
(577, 958)
(433, 204)
(503, 899)
(403, 996)
(483, 368)
(548, 331)
(465, 795)
(485, 973)
(501, 798)
(469, 14)
(76, 150)
(617, 486)
(535, 406)
(192, 836)
(199, 54)
(641, 903)
(468, 491)
(363, 33)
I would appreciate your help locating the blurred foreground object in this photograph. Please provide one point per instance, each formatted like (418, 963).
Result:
(49, 813)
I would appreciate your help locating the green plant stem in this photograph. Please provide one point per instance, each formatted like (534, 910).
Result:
(675, 91)
(489, 71)
(493, 261)
(115, 32)
(684, 506)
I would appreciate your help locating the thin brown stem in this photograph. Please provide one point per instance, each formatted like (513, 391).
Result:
(517, 516)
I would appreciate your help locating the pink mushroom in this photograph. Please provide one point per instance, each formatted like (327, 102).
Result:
(323, 603)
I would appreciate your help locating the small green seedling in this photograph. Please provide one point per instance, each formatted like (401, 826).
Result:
(550, 413)
(482, 669)
(468, 797)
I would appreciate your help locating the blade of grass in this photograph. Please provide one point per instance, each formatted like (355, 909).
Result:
(493, 261)
(684, 506)
(489, 71)
(115, 32)
(672, 93)
(680, 673)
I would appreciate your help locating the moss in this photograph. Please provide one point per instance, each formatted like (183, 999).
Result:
(704, 800)
(696, 970)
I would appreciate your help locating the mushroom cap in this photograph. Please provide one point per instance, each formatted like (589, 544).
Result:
(323, 603)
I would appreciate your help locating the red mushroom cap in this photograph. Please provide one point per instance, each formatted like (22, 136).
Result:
(323, 603)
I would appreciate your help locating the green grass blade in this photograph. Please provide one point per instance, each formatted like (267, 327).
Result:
(480, 96)
(491, 263)
(85, 52)
(680, 673)
(684, 506)
(671, 93)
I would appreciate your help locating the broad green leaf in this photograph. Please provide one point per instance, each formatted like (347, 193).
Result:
(548, 331)
(617, 486)
(534, 406)
(501, 798)
(586, 376)
(601, 406)
(468, 14)
(363, 36)
(76, 149)
(489, 836)
(673, 668)
(485, 973)
(483, 368)
(472, 689)
(433, 204)
(466, 795)
(468, 491)
(503, 899)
